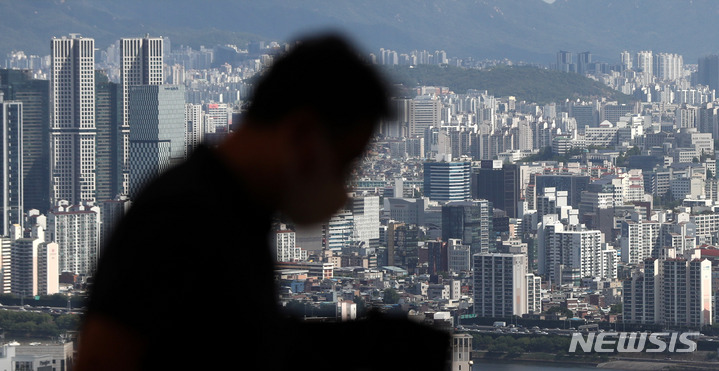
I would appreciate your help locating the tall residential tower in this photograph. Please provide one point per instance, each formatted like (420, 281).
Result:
(72, 123)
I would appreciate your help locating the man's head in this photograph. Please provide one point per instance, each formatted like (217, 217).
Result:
(323, 75)
(326, 101)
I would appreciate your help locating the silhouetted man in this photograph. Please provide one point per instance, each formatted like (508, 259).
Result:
(187, 280)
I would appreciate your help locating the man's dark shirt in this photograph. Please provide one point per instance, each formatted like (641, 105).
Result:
(189, 267)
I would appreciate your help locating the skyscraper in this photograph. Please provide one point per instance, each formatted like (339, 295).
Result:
(111, 212)
(708, 71)
(565, 62)
(157, 135)
(424, 112)
(72, 125)
(497, 183)
(470, 221)
(626, 60)
(18, 85)
(11, 180)
(108, 156)
(366, 215)
(141, 61)
(668, 66)
(195, 132)
(644, 63)
(447, 181)
(572, 184)
(584, 59)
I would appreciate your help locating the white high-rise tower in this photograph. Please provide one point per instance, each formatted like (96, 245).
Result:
(72, 123)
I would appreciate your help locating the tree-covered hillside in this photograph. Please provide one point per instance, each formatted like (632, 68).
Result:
(531, 84)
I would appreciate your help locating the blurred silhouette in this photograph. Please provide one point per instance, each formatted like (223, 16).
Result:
(187, 280)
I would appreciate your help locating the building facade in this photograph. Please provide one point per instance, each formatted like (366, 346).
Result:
(141, 63)
(72, 124)
(11, 165)
(157, 135)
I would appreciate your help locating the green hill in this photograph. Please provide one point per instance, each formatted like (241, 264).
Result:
(526, 83)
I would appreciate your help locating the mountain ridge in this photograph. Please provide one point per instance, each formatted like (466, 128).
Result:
(526, 83)
(523, 30)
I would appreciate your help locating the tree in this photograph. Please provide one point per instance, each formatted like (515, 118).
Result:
(391, 296)
(68, 322)
(563, 311)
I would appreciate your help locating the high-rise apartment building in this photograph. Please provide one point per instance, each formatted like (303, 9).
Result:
(6, 264)
(584, 59)
(572, 248)
(641, 294)
(285, 246)
(639, 240)
(673, 291)
(141, 63)
(11, 165)
(565, 62)
(34, 265)
(195, 132)
(626, 59)
(424, 112)
(668, 66)
(644, 63)
(76, 230)
(72, 124)
(501, 285)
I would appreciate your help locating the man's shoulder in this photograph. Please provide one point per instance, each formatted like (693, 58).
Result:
(203, 181)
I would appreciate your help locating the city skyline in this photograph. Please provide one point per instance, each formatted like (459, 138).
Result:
(466, 205)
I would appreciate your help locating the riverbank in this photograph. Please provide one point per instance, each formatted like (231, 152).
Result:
(535, 358)
(639, 363)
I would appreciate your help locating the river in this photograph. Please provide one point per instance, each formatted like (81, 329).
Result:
(505, 366)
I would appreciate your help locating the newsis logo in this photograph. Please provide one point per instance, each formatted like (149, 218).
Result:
(634, 342)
